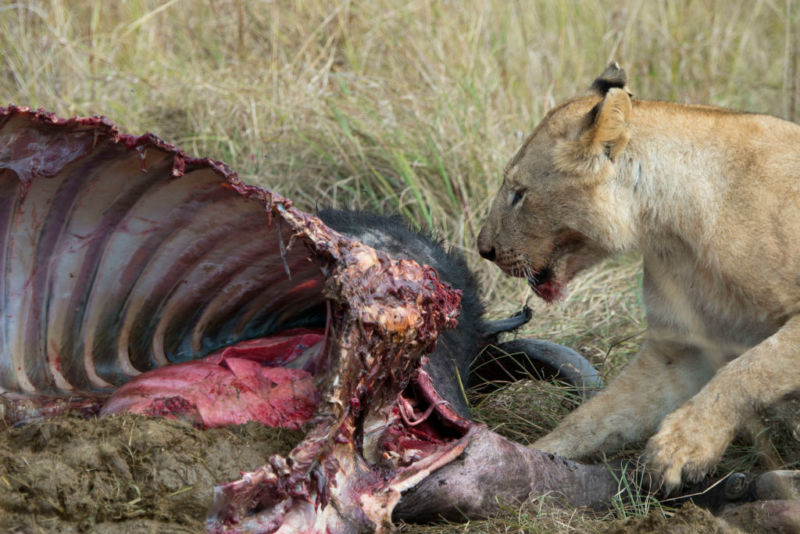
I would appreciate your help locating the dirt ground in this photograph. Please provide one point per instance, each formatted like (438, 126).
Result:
(133, 474)
(127, 474)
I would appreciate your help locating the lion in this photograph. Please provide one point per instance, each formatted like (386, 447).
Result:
(711, 199)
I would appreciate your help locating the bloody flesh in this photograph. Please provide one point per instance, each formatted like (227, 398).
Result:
(240, 383)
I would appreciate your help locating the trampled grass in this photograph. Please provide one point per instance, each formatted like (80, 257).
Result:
(410, 107)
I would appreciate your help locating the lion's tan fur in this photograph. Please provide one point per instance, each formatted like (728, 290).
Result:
(711, 198)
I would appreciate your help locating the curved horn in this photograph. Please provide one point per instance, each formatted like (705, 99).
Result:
(526, 358)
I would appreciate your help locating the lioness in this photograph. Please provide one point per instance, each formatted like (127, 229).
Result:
(711, 198)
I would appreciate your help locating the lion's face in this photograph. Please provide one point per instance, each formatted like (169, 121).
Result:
(558, 208)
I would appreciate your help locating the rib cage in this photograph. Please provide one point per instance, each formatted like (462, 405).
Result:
(119, 255)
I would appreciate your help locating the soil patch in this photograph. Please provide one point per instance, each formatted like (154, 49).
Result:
(123, 474)
(688, 519)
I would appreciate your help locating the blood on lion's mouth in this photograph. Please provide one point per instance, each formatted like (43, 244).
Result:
(545, 284)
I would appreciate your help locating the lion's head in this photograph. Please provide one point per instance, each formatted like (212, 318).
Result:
(561, 208)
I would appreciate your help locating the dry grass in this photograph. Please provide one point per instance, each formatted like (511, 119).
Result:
(410, 107)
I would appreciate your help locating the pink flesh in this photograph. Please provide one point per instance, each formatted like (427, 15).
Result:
(240, 383)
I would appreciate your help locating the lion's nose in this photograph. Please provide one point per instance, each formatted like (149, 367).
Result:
(488, 253)
(485, 247)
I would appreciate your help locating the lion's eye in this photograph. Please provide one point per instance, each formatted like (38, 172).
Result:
(518, 194)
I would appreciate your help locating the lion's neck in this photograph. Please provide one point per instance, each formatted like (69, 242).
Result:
(673, 191)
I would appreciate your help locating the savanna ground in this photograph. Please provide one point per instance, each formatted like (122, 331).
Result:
(408, 107)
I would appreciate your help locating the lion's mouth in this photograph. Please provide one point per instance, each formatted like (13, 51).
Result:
(550, 281)
(545, 284)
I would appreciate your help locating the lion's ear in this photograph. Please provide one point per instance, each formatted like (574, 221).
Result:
(613, 76)
(609, 130)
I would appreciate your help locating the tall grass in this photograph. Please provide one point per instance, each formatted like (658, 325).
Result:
(409, 106)
(403, 106)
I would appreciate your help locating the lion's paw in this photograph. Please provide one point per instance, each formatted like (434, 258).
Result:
(686, 447)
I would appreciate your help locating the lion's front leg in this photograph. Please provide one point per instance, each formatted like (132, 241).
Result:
(691, 440)
(658, 379)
